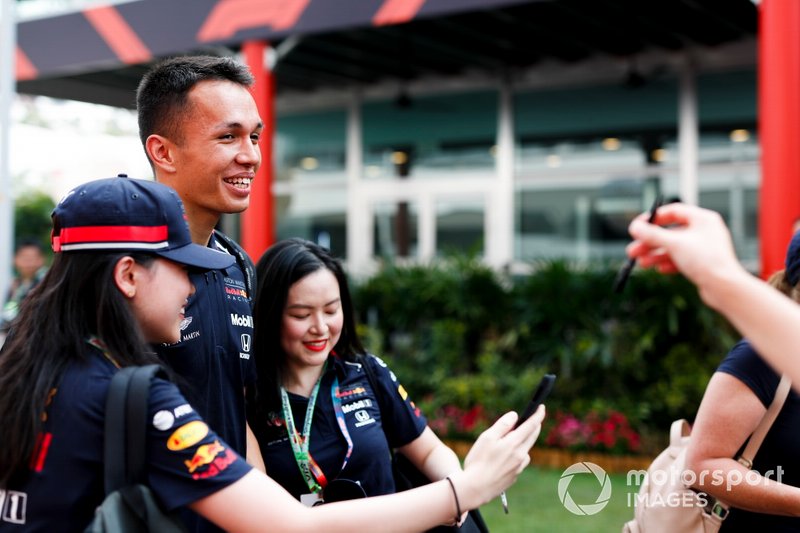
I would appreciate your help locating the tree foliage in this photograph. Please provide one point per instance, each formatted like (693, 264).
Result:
(32, 217)
(459, 334)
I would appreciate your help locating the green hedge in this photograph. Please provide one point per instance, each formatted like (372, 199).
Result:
(469, 343)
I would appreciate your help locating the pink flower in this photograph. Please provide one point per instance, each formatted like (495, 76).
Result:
(610, 432)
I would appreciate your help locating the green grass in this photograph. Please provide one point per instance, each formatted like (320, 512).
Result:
(534, 505)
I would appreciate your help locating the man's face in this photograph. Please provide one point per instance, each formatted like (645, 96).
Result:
(217, 154)
(28, 260)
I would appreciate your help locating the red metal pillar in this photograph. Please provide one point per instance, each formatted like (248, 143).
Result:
(258, 221)
(779, 128)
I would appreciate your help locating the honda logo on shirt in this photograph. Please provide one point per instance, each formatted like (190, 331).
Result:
(245, 342)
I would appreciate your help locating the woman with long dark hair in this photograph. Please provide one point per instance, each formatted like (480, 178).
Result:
(118, 284)
(328, 413)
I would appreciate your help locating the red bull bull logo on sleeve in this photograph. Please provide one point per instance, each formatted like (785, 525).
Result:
(204, 455)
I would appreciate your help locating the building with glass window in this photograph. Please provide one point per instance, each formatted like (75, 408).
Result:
(514, 130)
(515, 171)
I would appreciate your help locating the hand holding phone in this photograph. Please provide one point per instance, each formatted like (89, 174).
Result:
(542, 392)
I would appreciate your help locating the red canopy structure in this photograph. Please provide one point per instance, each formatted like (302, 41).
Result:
(779, 129)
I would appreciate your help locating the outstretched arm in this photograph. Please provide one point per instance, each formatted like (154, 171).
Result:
(698, 244)
(256, 503)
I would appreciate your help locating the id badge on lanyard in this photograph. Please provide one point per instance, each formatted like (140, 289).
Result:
(312, 473)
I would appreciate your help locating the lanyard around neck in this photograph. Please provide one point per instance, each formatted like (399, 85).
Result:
(309, 469)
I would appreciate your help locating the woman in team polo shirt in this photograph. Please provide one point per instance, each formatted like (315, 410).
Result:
(119, 282)
(320, 419)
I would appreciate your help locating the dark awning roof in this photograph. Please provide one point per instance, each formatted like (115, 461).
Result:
(100, 54)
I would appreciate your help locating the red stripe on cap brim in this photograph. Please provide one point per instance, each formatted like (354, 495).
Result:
(131, 235)
(125, 245)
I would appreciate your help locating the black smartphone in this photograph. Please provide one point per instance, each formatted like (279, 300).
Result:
(542, 391)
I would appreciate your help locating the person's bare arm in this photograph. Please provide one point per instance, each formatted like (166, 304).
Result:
(254, 457)
(728, 415)
(699, 245)
(431, 456)
(257, 503)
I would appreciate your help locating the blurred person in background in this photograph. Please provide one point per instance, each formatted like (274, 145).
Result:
(29, 268)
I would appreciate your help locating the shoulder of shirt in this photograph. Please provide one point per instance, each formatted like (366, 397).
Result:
(377, 367)
(344, 366)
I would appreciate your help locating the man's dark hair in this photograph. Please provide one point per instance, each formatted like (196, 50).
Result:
(162, 94)
(28, 242)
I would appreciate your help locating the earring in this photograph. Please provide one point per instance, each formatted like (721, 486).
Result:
(131, 293)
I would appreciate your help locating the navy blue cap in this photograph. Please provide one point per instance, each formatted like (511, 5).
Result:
(793, 260)
(130, 215)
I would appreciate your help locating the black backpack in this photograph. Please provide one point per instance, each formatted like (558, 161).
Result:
(129, 505)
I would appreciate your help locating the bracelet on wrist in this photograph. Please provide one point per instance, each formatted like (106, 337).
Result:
(455, 495)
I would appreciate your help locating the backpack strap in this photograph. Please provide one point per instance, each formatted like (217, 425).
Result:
(244, 262)
(760, 433)
(126, 426)
(678, 432)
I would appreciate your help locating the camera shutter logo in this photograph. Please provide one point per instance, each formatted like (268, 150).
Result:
(585, 509)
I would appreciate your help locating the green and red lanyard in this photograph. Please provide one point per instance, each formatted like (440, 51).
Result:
(309, 469)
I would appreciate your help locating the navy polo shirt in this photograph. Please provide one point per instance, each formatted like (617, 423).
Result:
(213, 356)
(370, 463)
(779, 449)
(63, 484)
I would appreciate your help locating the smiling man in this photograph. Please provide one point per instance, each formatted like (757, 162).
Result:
(200, 129)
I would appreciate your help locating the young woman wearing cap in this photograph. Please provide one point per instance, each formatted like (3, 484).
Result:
(119, 282)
